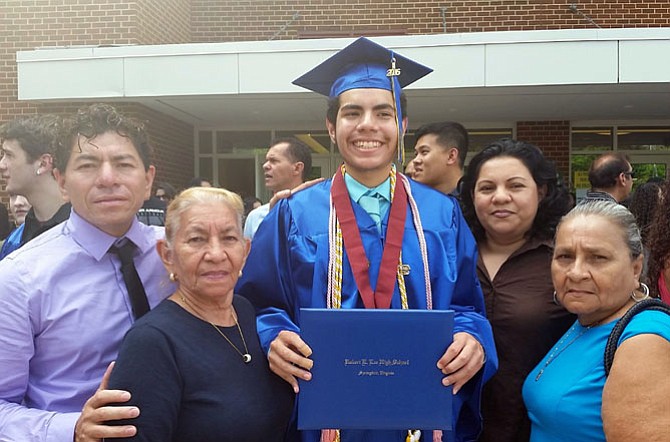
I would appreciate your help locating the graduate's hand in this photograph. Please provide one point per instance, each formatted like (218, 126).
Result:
(289, 358)
(462, 360)
(91, 423)
(283, 194)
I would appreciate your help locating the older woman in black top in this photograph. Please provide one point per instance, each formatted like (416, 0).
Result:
(193, 365)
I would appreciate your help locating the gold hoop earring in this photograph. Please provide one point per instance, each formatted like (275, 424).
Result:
(556, 299)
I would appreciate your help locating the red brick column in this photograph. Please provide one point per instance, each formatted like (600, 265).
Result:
(553, 137)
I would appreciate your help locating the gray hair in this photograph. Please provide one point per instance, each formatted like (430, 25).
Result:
(194, 196)
(617, 215)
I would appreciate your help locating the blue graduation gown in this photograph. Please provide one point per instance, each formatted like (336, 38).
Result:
(287, 269)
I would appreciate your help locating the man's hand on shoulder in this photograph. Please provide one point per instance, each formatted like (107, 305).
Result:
(91, 425)
(286, 193)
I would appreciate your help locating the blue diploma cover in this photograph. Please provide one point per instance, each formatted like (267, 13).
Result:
(375, 369)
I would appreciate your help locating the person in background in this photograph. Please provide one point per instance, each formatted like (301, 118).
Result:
(513, 201)
(441, 149)
(27, 165)
(198, 182)
(19, 207)
(656, 180)
(596, 270)
(572, 198)
(5, 225)
(293, 251)
(152, 212)
(643, 204)
(194, 365)
(611, 176)
(64, 299)
(165, 192)
(251, 203)
(409, 169)
(288, 163)
(658, 274)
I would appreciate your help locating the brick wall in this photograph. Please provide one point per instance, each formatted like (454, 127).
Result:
(172, 141)
(235, 20)
(164, 21)
(29, 24)
(25, 25)
(553, 137)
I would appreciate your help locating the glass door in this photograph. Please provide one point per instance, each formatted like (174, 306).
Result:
(649, 166)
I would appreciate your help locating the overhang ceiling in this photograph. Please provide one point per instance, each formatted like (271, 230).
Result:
(478, 78)
(468, 105)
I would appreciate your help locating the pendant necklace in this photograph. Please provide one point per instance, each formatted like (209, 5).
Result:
(557, 350)
(246, 356)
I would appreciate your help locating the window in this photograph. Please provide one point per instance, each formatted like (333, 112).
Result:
(592, 138)
(643, 138)
(238, 141)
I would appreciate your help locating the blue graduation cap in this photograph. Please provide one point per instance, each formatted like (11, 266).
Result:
(365, 64)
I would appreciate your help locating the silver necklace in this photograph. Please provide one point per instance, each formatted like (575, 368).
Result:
(558, 350)
(246, 356)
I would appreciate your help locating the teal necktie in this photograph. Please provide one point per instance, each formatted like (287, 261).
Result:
(370, 203)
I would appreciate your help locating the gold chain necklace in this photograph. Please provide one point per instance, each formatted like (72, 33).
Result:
(556, 352)
(246, 356)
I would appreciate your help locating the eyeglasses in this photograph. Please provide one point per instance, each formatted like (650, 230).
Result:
(630, 174)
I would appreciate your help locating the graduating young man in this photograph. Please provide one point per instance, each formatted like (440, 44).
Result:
(417, 251)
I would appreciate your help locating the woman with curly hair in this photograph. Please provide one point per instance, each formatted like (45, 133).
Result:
(658, 239)
(513, 201)
(643, 206)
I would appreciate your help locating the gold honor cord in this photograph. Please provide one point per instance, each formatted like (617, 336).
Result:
(335, 267)
(335, 291)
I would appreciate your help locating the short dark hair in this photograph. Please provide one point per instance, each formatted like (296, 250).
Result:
(97, 119)
(605, 169)
(553, 206)
(249, 202)
(334, 108)
(196, 181)
(170, 191)
(449, 134)
(297, 152)
(37, 134)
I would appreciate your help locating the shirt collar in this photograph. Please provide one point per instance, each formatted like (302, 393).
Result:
(357, 190)
(97, 243)
(600, 195)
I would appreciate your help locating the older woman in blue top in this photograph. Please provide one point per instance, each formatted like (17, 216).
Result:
(596, 269)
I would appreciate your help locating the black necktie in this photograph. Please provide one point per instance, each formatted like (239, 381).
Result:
(138, 298)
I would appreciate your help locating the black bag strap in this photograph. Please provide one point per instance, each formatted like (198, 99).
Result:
(617, 331)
